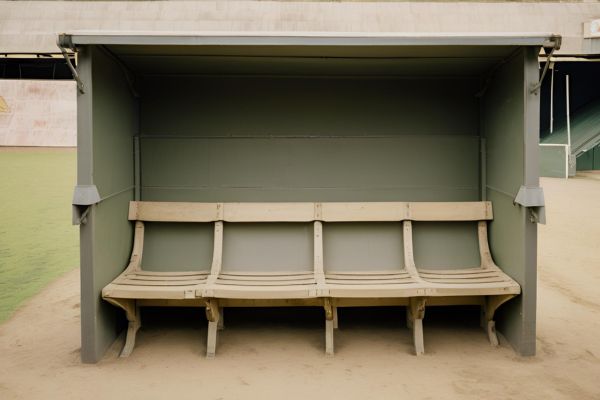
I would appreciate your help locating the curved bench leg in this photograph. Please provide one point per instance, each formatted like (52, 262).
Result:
(132, 312)
(132, 329)
(329, 325)
(415, 312)
(491, 304)
(491, 332)
(214, 316)
(211, 343)
(418, 337)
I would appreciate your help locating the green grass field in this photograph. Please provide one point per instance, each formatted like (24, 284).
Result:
(37, 241)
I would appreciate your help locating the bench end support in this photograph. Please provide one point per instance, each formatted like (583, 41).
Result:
(214, 317)
(329, 326)
(491, 304)
(415, 313)
(132, 312)
(211, 343)
(330, 323)
(132, 329)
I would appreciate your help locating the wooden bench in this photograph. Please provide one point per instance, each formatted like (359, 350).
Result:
(413, 286)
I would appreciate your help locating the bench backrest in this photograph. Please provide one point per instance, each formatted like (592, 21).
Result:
(307, 212)
(406, 212)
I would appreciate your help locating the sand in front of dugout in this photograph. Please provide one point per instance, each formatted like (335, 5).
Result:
(266, 355)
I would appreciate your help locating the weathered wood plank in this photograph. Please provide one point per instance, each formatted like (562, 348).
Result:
(174, 211)
(451, 272)
(168, 273)
(263, 278)
(269, 212)
(257, 283)
(450, 211)
(160, 283)
(267, 273)
(164, 278)
(364, 212)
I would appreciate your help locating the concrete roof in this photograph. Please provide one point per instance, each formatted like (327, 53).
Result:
(32, 26)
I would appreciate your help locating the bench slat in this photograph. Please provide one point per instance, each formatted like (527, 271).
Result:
(338, 282)
(371, 282)
(259, 277)
(262, 292)
(160, 283)
(479, 289)
(364, 212)
(177, 278)
(376, 291)
(148, 292)
(266, 273)
(469, 281)
(167, 273)
(269, 212)
(266, 283)
(457, 276)
(368, 278)
(306, 212)
(449, 272)
(174, 211)
(450, 211)
(368, 272)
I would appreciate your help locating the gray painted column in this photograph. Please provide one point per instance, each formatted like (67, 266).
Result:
(85, 162)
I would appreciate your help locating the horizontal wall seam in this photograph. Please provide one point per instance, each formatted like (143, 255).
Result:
(361, 187)
(399, 136)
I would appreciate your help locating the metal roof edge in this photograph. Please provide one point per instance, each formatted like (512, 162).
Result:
(271, 38)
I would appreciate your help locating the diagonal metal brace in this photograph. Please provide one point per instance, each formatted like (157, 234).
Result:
(63, 50)
(552, 45)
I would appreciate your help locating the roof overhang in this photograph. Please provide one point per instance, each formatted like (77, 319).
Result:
(72, 40)
(326, 54)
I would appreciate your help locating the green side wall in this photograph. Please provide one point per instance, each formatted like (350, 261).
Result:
(508, 116)
(107, 121)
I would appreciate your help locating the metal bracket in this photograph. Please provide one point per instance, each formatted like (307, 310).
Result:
(549, 48)
(84, 196)
(60, 42)
(532, 198)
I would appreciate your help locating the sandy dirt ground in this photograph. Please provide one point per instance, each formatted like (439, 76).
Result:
(264, 357)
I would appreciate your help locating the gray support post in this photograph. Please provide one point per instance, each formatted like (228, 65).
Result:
(85, 162)
(531, 179)
(517, 318)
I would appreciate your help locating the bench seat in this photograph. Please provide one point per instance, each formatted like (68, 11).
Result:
(155, 285)
(468, 281)
(278, 285)
(372, 284)
(412, 285)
